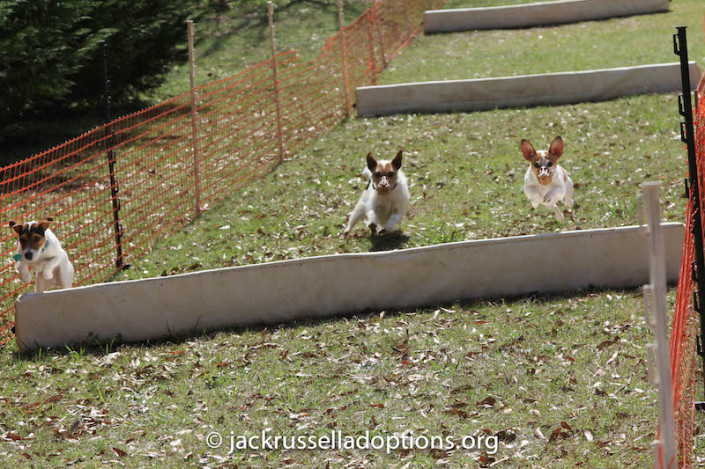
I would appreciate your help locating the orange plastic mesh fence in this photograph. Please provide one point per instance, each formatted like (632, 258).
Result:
(173, 159)
(683, 350)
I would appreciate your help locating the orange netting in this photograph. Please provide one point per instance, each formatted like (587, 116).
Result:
(683, 349)
(171, 160)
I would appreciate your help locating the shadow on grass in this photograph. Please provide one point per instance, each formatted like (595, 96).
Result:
(388, 242)
(95, 346)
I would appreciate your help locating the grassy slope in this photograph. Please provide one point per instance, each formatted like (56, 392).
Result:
(229, 41)
(571, 367)
(428, 371)
(465, 183)
(619, 42)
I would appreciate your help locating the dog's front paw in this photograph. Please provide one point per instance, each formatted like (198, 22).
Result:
(559, 215)
(47, 274)
(25, 276)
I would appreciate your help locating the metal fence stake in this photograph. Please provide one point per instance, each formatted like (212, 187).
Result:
(680, 48)
(110, 143)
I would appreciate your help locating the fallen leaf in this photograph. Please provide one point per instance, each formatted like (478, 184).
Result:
(119, 452)
(487, 402)
(607, 343)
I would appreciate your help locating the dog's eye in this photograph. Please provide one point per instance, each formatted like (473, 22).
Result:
(378, 174)
(391, 174)
(36, 238)
(550, 164)
(537, 166)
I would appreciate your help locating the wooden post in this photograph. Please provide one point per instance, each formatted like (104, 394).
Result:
(371, 40)
(275, 77)
(380, 38)
(343, 59)
(409, 29)
(657, 291)
(194, 116)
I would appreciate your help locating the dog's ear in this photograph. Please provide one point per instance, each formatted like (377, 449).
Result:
(44, 224)
(371, 162)
(527, 149)
(396, 162)
(15, 226)
(556, 148)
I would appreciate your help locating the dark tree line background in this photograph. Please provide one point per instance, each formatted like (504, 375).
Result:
(50, 80)
(49, 53)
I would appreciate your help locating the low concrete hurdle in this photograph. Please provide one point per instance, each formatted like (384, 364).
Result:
(331, 285)
(525, 90)
(536, 14)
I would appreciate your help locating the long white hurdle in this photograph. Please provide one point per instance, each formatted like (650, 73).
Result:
(547, 89)
(536, 14)
(341, 284)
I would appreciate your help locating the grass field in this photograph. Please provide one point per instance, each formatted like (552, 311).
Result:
(618, 42)
(558, 381)
(465, 182)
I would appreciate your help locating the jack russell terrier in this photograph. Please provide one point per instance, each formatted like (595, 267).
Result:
(386, 198)
(546, 182)
(40, 249)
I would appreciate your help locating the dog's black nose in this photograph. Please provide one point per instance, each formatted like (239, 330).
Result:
(28, 255)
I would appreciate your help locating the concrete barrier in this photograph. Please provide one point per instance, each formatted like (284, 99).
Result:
(341, 284)
(536, 14)
(525, 90)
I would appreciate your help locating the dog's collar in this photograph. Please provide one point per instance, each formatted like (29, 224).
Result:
(18, 257)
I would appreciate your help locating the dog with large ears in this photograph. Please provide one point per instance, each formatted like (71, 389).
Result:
(386, 198)
(546, 182)
(39, 248)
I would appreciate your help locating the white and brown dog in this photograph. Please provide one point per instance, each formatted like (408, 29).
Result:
(39, 248)
(546, 182)
(386, 198)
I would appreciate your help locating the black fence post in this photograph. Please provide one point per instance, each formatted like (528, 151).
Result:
(110, 142)
(685, 108)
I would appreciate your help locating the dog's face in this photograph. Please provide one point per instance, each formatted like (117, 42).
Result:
(32, 237)
(384, 173)
(543, 163)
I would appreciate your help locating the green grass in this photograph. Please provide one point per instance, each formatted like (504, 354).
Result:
(465, 173)
(229, 41)
(619, 42)
(561, 380)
